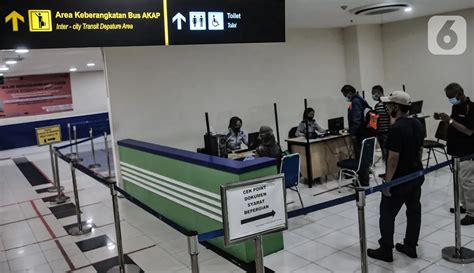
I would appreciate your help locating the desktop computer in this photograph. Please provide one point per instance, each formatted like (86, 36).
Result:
(335, 125)
(254, 141)
(215, 145)
(416, 108)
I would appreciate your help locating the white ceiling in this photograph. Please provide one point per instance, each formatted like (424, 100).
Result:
(300, 14)
(328, 13)
(48, 61)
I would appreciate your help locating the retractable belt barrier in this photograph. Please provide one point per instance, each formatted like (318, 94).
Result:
(348, 198)
(194, 237)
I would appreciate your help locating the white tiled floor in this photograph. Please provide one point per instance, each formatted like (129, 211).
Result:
(324, 241)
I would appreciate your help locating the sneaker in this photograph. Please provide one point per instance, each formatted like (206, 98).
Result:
(462, 209)
(409, 251)
(381, 254)
(468, 220)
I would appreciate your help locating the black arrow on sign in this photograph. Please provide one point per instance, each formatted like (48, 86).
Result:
(258, 217)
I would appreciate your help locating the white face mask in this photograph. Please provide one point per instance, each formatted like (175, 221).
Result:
(454, 101)
(376, 97)
(348, 99)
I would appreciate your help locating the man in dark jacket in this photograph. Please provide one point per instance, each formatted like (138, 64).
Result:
(357, 130)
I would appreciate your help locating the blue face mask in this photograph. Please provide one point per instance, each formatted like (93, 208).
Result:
(348, 99)
(454, 101)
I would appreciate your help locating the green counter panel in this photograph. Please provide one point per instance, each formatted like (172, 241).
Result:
(202, 177)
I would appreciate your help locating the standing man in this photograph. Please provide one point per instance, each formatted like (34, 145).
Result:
(357, 130)
(383, 122)
(404, 144)
(461, 143)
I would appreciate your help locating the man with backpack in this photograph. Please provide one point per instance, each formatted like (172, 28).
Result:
(359, 125)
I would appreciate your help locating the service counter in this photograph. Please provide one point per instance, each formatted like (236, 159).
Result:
(184, 186)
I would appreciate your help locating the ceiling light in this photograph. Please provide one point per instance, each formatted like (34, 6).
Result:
(10, 62)
(4, 68)
(1, 74)
(72, 69)
(91, 64)
(408, 9)
(22, 51)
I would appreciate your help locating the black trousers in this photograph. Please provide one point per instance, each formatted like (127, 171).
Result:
(382, 139)
(389, 208)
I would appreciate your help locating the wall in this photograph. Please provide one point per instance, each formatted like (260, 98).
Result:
(364, 57)
(352, 57)
(160, 94)
(408, 61)
(371, 57)
(84, 86)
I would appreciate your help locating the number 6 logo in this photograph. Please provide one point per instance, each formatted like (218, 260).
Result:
(447, 35)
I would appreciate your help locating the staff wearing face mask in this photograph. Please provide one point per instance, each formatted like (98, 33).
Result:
(313, 126)
(383, 122)
(236, 137)
(357, 130)
(461, 143)
(404, 142)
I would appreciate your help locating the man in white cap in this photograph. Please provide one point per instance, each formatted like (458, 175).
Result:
(404, 144)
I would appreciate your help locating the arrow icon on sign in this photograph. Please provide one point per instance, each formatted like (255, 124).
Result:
(14, 17)
(258, 217)
(180, 18)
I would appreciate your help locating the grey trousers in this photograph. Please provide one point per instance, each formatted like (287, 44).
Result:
(466, 181)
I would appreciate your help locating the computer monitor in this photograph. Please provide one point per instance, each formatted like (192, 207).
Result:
(335, 125)
(253, 140)
(416, 107)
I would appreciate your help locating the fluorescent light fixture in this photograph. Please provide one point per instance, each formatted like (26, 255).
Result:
(72, 69)
(91, 64)
(10, 62)
(22, 51)
(408, 9)
(1, 74)
(4, 68)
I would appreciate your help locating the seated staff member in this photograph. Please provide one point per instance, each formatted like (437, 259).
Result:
(404, 143)
(236, 137)
(313, 126)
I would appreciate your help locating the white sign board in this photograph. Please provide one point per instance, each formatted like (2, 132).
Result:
(253, 208)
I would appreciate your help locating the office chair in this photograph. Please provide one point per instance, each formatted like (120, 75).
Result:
(434, 146)
(290, 167)
(350, 167)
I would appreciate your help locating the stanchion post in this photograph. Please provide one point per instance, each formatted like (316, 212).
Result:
(457, 254)
(193, 251)
(53, 169)
(94, 165)
(77, 157)
(71, 153)
(79, 229)
(360, 199)
(259, 267)
(109, 166)
(61, 198)
(122, 267)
